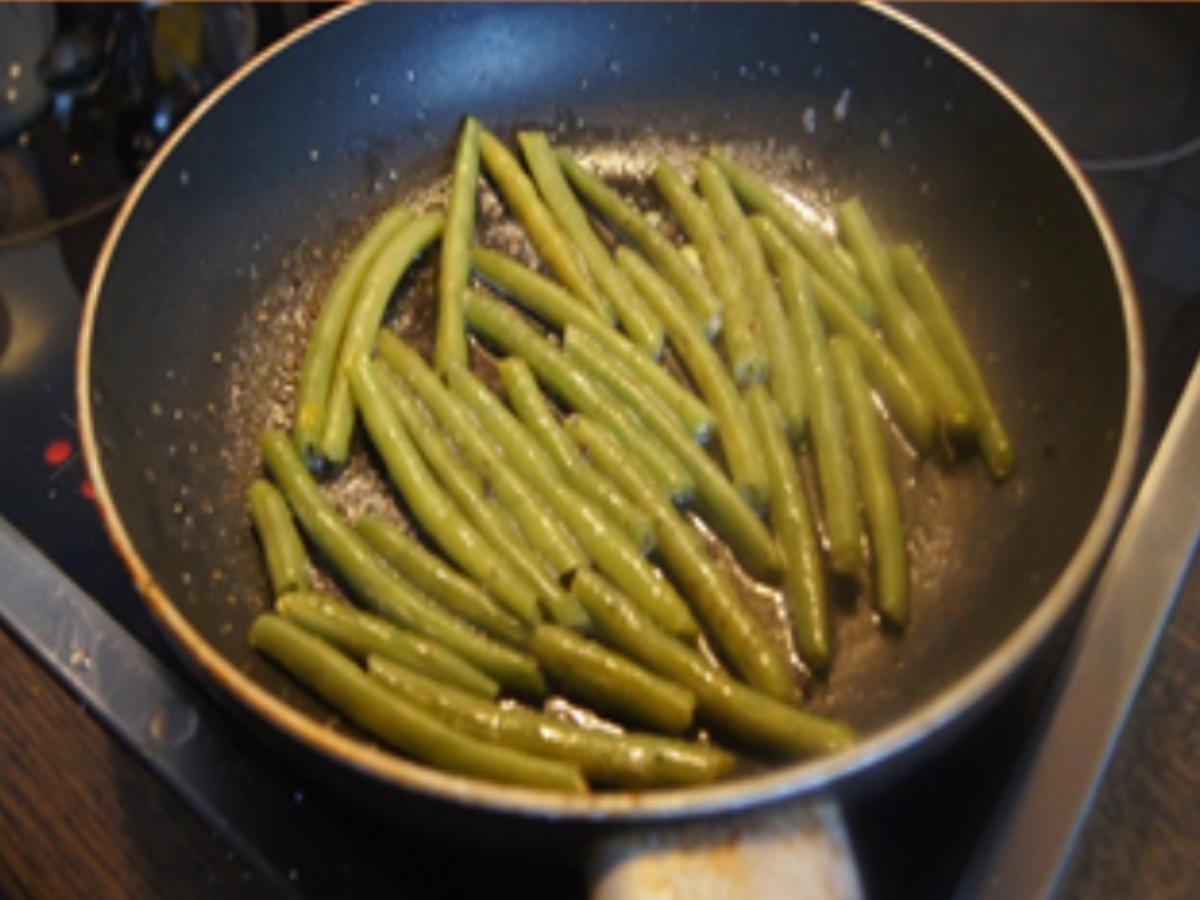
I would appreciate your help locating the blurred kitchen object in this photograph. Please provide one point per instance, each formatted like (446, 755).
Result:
(89, 92)
(26, 30)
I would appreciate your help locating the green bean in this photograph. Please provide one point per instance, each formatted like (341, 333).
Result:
(626, 760)
(638, 321)
(822, 254)
(454, 266)
(548, 239)
(382, 588)
(316, 372)
(922, 291)
(586, 352)
(740, 327)
(740, 712)
(704, 304)
(610, 682)
(803, 580)
(464, 485)
(692, 255)
(554, 305)
(504, 327)
(493, 418)
(902, 326)
(283, 550)
(835, 468)
(611, 549)
(728, 623)
(378, 283)
(544, 530)
(533, 410)
(745, 331)
(358, 633)
(707, 371)
(879, 492)
(428, 572)
(902, 396)
(436, 513)
(728, 510)
(784, 376)
(403, 725)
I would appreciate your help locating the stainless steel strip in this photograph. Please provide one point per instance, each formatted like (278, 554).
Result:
(162, 720)
(1052, 790)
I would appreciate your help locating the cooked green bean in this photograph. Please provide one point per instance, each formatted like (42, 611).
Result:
(459, 423)
(902, 326)
(740, 712)
(878, 490)
(922, 291)
(638, 321)
(316, 372)
(622, 382)
(548, 239)
(611, 549)
(358, 633)
(533, 409)
(707, 371)
(379, 281)
(740, 329)
(835, 468)
(436, 513)
(784, 376)
(727, 510)
(454, 471)
(625, 760)
(822, 254)
(692, 255)
(521, 448)
(427, 571)
(352, 692)
(728, 623)
(504, 327)
(901, 394)
(382, 588)
(704, 304)
(454, 265)
(759, 292)
(610, 682)
(464, 485)
(544, 530)
(803, 579)
(553, 305)
(283, 550)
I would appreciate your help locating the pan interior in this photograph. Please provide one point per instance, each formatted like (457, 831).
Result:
(202, 313)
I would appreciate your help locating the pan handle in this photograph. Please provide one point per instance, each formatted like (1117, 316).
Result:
(797, 849)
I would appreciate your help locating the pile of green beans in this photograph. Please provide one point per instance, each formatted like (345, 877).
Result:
(563, 527)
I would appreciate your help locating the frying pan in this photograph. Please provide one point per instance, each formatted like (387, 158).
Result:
(196, 316)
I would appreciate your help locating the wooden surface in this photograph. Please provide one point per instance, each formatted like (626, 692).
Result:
(80, 816)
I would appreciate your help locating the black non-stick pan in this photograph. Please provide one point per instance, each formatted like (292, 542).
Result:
(197, 314)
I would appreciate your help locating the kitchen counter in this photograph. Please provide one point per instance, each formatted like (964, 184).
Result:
(81, 815)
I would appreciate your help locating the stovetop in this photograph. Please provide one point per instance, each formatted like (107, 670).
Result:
(1065, 61)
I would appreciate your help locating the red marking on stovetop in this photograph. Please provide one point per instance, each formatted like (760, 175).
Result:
(87, 490)
(57, 452)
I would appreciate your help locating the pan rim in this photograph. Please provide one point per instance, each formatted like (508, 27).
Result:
(800, 779)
